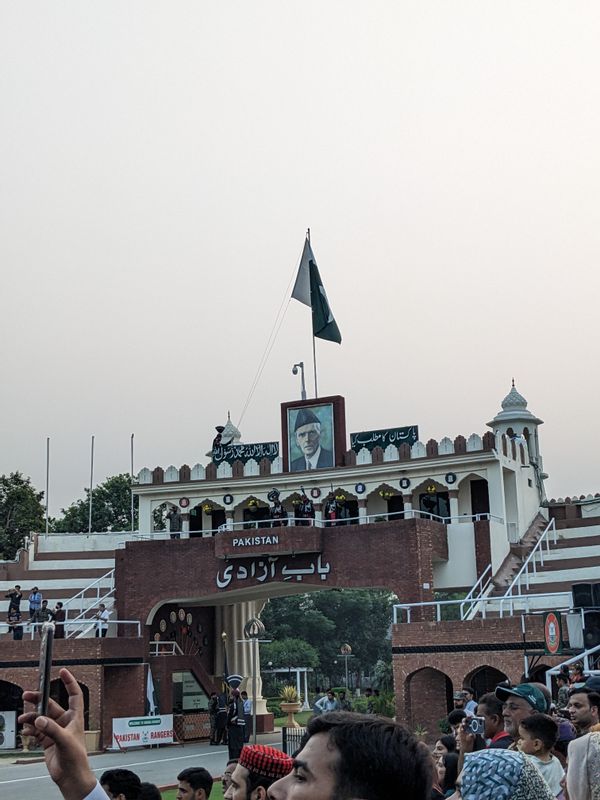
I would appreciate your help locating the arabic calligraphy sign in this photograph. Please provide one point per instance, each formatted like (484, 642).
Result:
(396, 436)
(272, 568)
(244, 452)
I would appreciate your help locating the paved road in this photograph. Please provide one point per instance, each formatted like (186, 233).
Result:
(158, 765)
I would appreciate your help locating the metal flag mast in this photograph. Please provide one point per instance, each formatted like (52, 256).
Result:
(132, 522)
(47, 479)
(314, 340)
(91, 485)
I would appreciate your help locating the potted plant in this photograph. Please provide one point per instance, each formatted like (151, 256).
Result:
(291, 703)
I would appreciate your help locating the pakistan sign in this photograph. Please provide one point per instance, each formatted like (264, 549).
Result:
(396, 436)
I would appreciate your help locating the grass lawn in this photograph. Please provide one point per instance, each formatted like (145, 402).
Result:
(301, 718)
(216, 794)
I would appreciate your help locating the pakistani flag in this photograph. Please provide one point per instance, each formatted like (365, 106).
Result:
(151, 697)
(309, 290)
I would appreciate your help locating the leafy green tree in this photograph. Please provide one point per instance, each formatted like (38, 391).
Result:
(21, 512)
(329, 619)
(111, 508)
(289, 653)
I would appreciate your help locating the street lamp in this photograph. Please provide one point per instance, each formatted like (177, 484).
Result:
(295, 368)
(346, 652)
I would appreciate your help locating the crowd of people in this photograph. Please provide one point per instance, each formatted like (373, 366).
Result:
(557, 742)
(39, 612)
(508, 745)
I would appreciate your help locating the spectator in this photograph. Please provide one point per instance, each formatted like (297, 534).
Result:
(444, 745)
(455, 719)
(35, 601)
(566, 734)
(470, 703)
(490, 708)
(460, 701)
(195, 783)
(447, 772)
(43, 614)
(58, 617)
(102, 615)
(562, 681)
(14, 598)
(584, 709)
(14, 624)
(349, 755)
(519, 702)
(149, 792)
(495, 774)
(583, 775)
(327, 703)
(121, 783)
(259, 766)
(227, 773)
(538, 734)
(343, 703)
(576, 675)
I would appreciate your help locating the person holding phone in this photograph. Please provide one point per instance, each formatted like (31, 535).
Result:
(102, 615)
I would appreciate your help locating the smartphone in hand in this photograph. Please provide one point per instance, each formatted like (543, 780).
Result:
(45, 667)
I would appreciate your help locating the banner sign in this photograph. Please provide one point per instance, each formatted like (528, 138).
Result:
(244, 452)
(396, 436)
(141, 731)
(552, 634)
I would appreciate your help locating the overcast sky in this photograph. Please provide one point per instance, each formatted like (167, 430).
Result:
(160, 163)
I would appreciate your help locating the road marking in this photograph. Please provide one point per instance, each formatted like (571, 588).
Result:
(121, 766)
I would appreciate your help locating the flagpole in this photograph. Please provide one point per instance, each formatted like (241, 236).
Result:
(47, 478)
(132, 525)
(91, 485)
(314, 343)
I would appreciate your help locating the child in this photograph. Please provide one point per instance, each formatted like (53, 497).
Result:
(537, 736)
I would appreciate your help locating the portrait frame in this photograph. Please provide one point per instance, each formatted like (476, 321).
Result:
(330, 412)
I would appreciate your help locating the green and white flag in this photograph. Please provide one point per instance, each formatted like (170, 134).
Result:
(309, 290)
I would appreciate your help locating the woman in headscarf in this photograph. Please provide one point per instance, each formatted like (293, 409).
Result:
(500, 775)
(583, 771)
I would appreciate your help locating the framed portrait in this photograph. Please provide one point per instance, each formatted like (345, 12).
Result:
(313, 434)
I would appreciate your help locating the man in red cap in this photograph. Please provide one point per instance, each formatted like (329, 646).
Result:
(258, 767)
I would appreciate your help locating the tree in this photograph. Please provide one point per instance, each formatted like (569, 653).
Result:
(21, 512)
(289, 653)
(111, 508)
(329, 619)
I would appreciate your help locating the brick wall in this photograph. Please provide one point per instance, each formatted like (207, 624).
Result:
(426, 653)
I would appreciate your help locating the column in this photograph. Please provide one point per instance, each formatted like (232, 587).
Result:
(185, 525)
(318, 515)
(453, 495)
(407, 500)
(362, 512)
(229, 520)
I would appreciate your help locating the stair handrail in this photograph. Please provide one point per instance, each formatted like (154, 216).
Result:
(481, 586)
(99, 598)
(538, 549)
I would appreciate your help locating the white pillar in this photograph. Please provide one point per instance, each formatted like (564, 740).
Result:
(407, 499)
(362, 512)
(453, 496)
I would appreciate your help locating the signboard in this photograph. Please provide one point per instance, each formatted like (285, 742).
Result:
(244, 452)
(396, 436)
(142, 731)
(552, 634)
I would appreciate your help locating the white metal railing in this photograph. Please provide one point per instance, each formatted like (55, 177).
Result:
(165, 649)
(73, 626)
(257, 524)
(584, 656)
(477, 593)
(487, 604)
(99, 594)
(530, 564)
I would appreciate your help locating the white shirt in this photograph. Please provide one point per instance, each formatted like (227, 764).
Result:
(97, 793)
(552, 772)
(102, 623)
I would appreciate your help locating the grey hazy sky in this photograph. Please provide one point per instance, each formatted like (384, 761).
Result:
(160, 162)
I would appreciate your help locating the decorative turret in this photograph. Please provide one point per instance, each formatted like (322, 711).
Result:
(230, 434)
(515, 419)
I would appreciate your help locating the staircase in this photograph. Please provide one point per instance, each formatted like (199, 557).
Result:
(63, 567)
(574, 557)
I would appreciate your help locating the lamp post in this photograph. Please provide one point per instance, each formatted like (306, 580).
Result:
(346, 652)
(295, 368)
(253, 631)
